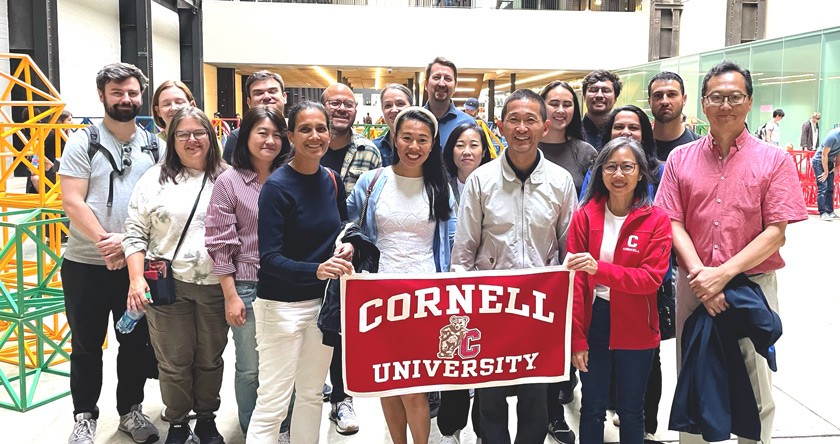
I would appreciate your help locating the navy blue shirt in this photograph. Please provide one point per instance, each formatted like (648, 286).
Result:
(300, 217)
(450, 120)
(386, 151)
(593, 135)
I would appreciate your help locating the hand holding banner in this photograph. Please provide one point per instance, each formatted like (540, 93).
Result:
(426, 332)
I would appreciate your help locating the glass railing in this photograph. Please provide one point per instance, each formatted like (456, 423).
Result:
(552, 5)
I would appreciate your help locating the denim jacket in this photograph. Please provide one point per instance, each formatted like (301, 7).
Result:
(356, 201)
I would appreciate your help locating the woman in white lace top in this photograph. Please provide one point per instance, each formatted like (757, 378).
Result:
(410, 217)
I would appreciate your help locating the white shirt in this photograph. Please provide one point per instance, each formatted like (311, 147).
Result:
(612, 226)
(405, 235)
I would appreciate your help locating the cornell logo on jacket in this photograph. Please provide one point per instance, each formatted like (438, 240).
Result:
(632, 244)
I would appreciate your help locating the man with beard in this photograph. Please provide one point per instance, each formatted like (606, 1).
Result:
(666, 96)
(350, 153)
(600, 90)
(264, 88)
(94, 273)
(441, 81)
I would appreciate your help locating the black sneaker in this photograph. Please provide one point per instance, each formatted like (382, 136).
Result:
(180, 433)
(207, 433)
(561, 432)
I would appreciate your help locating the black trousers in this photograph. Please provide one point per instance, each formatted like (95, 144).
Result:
(555, 407)
(531, 414)
(653, 394)
(336, 376)
(91, 294)
(454, 410)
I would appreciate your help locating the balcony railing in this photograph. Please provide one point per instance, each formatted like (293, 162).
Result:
(554, 5)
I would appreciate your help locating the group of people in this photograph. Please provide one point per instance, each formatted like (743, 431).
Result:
(257, 231)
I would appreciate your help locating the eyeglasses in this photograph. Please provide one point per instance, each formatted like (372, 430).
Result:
(626, 168)
(336, 104)
(602, 89)
(184, 136)
(733, 99)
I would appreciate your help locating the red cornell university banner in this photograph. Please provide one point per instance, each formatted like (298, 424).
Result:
(414, 333)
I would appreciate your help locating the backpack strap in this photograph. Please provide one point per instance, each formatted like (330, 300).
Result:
(151, 146)
(93, 147)
(332, 176)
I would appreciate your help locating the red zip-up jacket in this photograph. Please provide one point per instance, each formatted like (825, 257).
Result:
(639, 264)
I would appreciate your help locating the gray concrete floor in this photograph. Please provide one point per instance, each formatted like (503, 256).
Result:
(805, 387)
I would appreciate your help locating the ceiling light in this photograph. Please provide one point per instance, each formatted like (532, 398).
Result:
(324, 75)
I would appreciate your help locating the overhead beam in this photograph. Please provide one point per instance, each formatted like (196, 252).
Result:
(136, 41)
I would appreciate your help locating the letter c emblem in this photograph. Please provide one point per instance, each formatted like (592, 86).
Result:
(633, 241)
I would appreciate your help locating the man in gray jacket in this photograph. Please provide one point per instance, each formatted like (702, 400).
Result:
(515, 213)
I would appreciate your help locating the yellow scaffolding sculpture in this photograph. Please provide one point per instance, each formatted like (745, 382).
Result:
(34, 337)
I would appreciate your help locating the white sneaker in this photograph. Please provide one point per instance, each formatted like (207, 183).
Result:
(285, 438)
(344, 416)
(616, 422)
(84, 430)
(455, 438)
(137, 424)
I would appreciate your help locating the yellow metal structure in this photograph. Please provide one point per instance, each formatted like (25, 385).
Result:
(34, 337)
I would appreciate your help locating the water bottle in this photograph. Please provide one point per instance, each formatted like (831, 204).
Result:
(129, 319)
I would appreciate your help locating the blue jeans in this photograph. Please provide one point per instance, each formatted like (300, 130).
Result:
(825, 190)
(632, 368)
(246, 374)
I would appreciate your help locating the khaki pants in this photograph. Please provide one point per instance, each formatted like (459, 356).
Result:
(759, 372)
(189, 337)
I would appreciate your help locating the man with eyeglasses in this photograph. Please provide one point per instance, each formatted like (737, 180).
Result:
(810, 135)
(94, 273)
(264, 88)
(730, 197)
(600, 90)
(441, 81)
(666, 97)
(350, 153)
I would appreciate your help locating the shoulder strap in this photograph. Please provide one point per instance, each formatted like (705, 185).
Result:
(332, 176)
(93, 147)
(189, 219)
(363, 216)
(151, 145)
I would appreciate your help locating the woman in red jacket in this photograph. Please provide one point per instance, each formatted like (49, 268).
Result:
(622, 244)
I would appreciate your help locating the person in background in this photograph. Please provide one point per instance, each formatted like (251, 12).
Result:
(264, 88)
(394, 98)
(810, 137)
(772, 131)
(615, 318)
(466, 150)
(223, 129)
(301, 210)
(409, 211)
(169, 97)
(231, 241)
(53, 143)
(564, 143)
(471, 107)
(825, 165)
(600, 88)
(666, 97)
(189, 335)
(441, 81)
(368, 120)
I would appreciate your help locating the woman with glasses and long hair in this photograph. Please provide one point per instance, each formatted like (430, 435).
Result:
(394, 98)
(411, 219)
(620, 243)
(564, 144)
(301, 211)
(190, 334)
(231, 240)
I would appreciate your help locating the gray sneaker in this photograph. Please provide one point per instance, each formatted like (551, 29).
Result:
(834, 215)
(344, 416)
(136, 424)
(84, 429)
(826, 217)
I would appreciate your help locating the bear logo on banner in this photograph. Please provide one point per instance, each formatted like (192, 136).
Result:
(457, 338)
